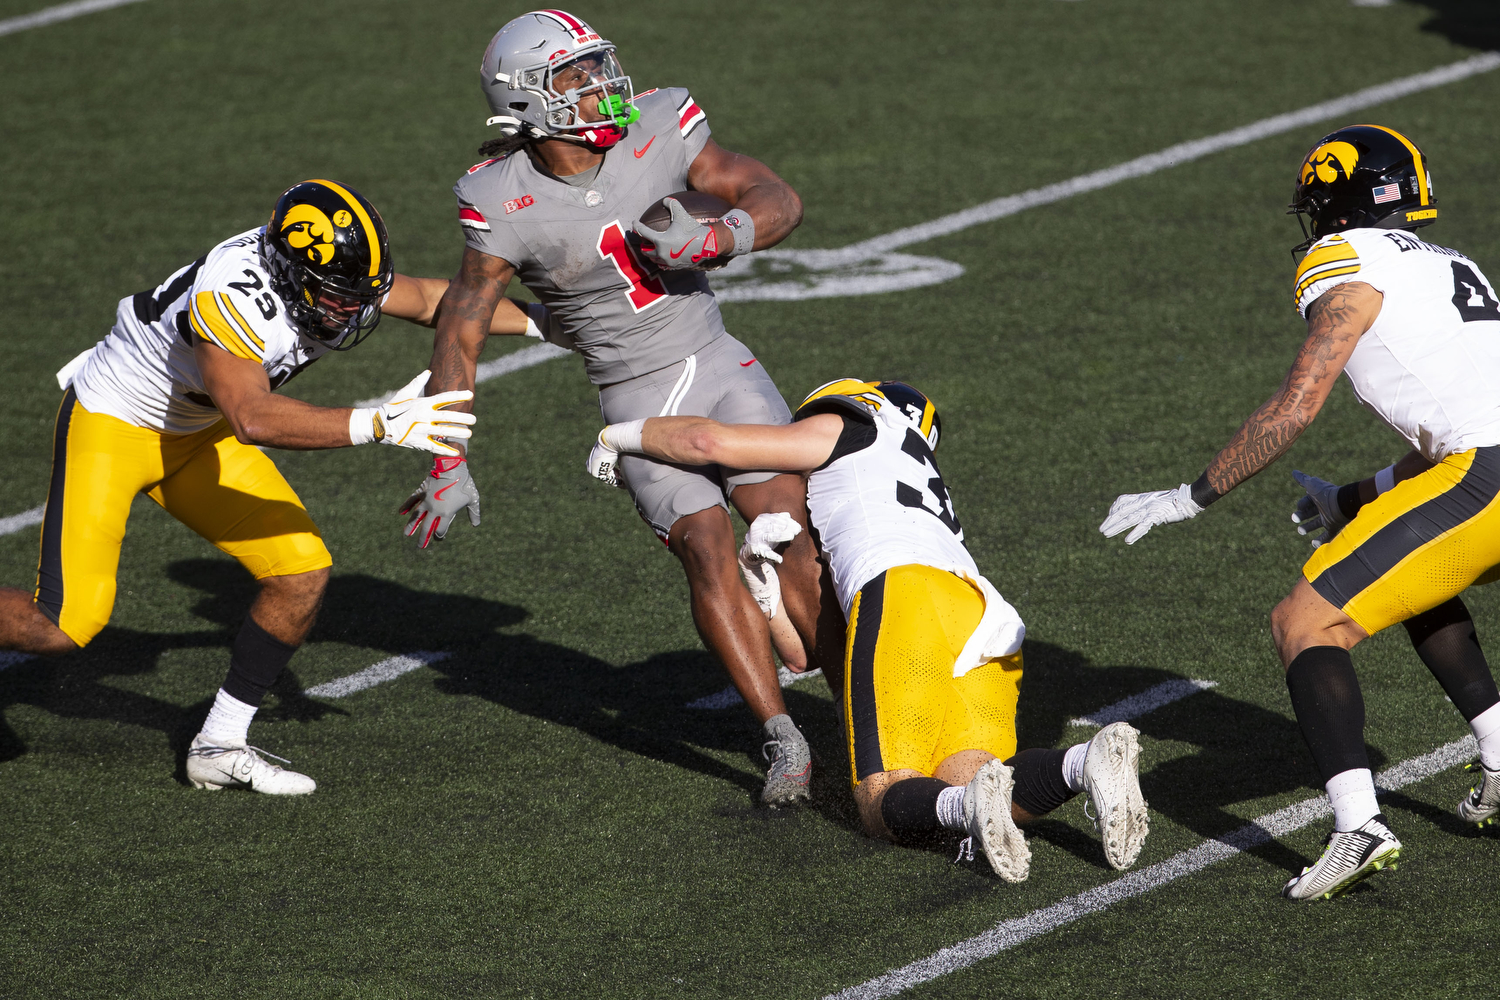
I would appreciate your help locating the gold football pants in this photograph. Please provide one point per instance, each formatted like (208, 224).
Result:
(1417, 545)
(903, 708)
(228, 492)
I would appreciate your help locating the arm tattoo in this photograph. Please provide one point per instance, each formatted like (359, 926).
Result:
(463, 321)
(1334, 323)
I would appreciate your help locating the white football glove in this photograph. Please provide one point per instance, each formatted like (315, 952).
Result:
(1144, 511)
(759, 552)
(412, 420)
(612, 440)
(1319, 509)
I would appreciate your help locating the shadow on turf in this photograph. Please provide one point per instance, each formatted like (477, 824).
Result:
(1242, 752)
(1473, 23)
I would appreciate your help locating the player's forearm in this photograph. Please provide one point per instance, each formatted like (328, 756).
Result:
(1261, 440)
(282, 422)
(776, 209)
(684, 440)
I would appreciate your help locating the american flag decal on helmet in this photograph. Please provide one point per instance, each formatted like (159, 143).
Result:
(689, 115)
(470, 218)
(1386, 192)
(581, 32)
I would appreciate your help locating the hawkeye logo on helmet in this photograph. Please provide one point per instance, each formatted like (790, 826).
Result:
(307, 228)
(1328, 161)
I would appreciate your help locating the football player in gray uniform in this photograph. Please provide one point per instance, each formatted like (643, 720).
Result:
(580, 158)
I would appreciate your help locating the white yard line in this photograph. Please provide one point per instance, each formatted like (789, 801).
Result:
(1148, 700)
(378, 673)
(1009, 933)
(25, 519)
(62, 12)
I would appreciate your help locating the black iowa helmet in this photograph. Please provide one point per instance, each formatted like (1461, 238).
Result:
(1363, 177)
(329, 260)
(922, 411)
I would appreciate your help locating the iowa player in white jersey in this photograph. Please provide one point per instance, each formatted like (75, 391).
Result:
(580, 158)
(173, 402)
(1416, 328)
(932, 663)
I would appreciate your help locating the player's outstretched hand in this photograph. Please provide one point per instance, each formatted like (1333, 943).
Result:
(1319, 509)
(412, 420)
(437, 500)
(1144, 511)
(685, 242)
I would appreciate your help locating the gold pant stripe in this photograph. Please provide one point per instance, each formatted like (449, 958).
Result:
(229, 493)
(1416, 546)
(903, 708)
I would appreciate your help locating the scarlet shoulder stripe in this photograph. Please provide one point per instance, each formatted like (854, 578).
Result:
(645, 93)
(689, 117)
(482, 164)
(470, 218)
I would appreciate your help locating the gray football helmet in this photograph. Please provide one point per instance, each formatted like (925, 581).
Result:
(541, 66)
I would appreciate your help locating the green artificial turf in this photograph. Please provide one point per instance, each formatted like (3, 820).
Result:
(540, 815)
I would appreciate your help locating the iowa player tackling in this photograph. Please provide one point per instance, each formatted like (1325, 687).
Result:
(173, 402)
(580, 158)
(1416, 328)
(932, 662)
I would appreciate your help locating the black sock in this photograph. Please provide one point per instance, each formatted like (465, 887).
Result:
(910, 806)
(1040, 786)
(1330, 709)
(257, 660)
(1446, 641)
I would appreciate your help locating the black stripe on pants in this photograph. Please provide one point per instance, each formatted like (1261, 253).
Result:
(49, 571)
(864, 721)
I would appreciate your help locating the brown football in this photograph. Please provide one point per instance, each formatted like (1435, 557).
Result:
(701, 206)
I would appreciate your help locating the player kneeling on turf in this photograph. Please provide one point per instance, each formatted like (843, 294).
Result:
(932, 664)
(173, 403)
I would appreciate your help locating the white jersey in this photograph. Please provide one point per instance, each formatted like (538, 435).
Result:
(144, 372)
(1429, 367)
(879, 502)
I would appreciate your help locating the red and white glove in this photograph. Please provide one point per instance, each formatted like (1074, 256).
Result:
(437, 500)
(685, 242)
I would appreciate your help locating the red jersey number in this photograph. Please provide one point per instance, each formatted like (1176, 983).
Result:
(645, 289)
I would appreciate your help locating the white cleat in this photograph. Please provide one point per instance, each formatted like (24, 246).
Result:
(987, 815)
(1347, 859)
(1482, 804)
(212, 767)
(1110, 774)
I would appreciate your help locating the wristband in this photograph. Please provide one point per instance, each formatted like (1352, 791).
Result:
(1202, 493)
(1348, 501)
(535, 311)
(365, 425)
(743, 227)
(624, 436)
(1385, 480)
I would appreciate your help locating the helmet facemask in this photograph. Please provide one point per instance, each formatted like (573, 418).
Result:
(586, 99)
(323, 308)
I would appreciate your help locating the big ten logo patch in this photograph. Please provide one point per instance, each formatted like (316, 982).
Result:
(516, 204)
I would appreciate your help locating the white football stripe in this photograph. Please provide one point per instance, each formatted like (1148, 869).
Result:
(1148, 700)
(62, 12)
(1009, 933)
(378, 673)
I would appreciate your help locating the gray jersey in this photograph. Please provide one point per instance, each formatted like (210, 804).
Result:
(568, 244)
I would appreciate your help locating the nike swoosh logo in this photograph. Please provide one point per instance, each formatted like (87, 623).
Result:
(642, 151)
(682, 248)
(747, 364)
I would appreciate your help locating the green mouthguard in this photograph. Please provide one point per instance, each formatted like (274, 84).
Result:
(616, 110)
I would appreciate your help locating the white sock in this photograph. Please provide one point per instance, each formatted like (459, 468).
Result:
(228, 722)
(1073, 767)
(1352, 793)
(1486, 728)
(950, 807)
